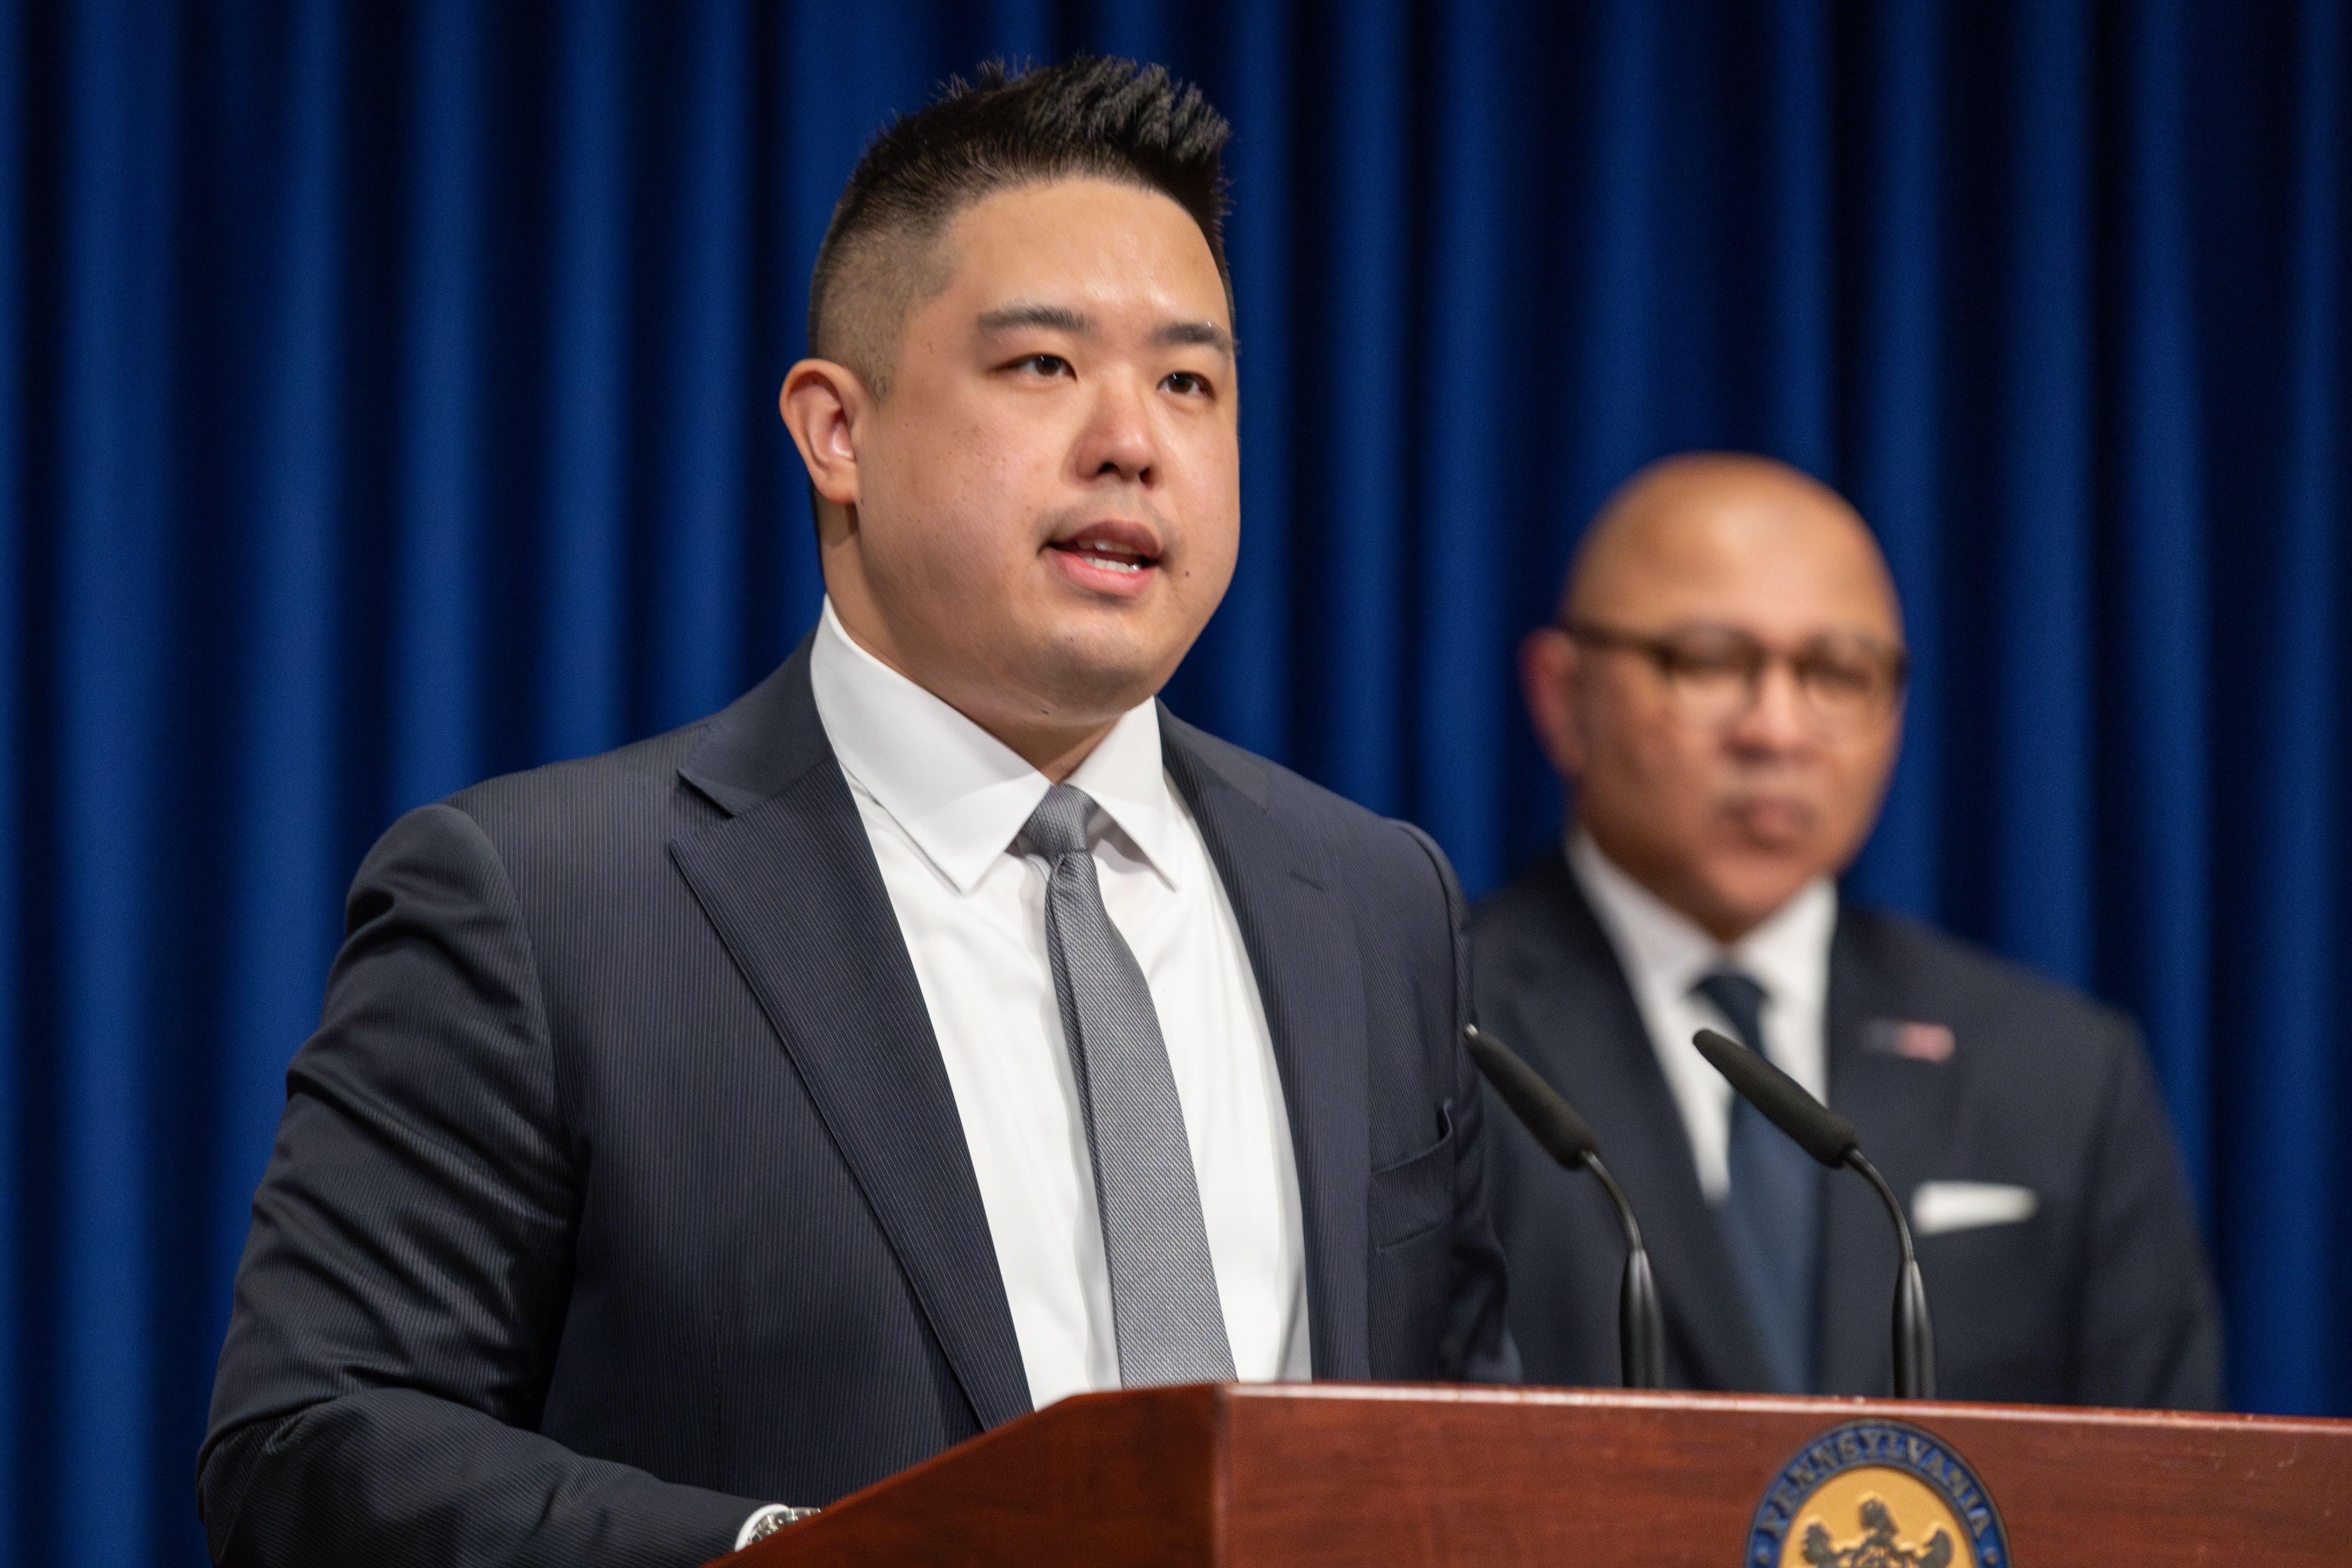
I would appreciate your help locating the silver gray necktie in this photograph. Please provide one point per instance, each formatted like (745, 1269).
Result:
(1165, 1317)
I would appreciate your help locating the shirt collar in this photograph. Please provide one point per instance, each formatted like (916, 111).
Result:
(1789, 954)
(959, 792)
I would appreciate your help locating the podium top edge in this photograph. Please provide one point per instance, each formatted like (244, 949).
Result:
(1834, 1407)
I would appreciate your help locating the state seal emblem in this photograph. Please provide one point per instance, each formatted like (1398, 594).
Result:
(1877, 1494)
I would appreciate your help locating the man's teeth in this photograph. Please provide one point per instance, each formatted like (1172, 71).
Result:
(1109, 555)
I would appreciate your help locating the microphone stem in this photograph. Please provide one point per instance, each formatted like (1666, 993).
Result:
(1641, 1323)
(1858, 1160)
(1914, 1335)
(1633, 1226)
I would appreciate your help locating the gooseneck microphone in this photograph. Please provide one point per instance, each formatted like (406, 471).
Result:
(1831, 1139)
(1563, 1135)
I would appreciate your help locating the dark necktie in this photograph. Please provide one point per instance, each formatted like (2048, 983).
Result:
(1772, 1217)
(1164, 1311)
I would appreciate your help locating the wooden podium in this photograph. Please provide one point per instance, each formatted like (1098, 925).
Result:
(1316, 1474)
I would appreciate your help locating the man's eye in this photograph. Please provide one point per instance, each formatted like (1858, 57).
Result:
(1702, 664)
(1837, 675)
(1042, 364)
(1186, 383)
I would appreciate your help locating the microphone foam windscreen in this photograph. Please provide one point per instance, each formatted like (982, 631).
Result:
(1819, 1131)
(1551, 1119)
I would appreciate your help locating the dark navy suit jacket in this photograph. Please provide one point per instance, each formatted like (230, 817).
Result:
(2102, 1297)
(622, 1187)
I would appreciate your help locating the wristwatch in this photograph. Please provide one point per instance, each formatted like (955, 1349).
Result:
(769, 1521)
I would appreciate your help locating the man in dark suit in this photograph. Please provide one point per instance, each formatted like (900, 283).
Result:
(1723, 692)
(943, 1029)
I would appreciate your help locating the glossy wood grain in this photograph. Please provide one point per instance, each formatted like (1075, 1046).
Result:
(1334, 1474)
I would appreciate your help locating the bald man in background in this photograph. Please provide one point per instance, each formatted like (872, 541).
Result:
(1723, 693)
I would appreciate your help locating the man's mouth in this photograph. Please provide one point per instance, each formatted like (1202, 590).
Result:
(1772, 819)
(1110, 556)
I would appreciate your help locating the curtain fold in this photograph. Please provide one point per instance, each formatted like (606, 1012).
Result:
(387, 399)
(109, 733)
(2162, 867)
(15, 1236)
(436, 364)
(2282, 1087)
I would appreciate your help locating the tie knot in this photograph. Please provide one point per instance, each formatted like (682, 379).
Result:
(1058, 826)
(1737, 996)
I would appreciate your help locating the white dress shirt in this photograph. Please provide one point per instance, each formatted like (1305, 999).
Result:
(1664, 953)
(942, 801)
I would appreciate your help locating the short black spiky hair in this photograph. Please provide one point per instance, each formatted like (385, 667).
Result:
(1090, 117)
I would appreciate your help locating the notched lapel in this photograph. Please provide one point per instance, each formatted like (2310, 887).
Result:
(791, 885)
(1303, 951)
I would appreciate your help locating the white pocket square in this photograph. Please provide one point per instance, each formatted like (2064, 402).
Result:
(1940, 1207)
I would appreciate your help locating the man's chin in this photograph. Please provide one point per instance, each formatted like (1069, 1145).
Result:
(1105, 667)
(1752, 894)
(1076, 689)
(1098, 696)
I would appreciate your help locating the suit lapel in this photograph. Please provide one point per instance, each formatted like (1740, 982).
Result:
(1906, 1113)
(790, 882)
(1598, 1051)
(1302, 949)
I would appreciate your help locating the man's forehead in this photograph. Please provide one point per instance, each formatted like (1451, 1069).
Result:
(1086, 245)
(1759, 553)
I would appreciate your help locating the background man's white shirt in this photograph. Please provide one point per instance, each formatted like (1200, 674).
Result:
(1665, 952)
(942, 802)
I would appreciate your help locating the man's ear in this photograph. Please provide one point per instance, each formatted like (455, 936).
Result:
(824, 406)
(1547, 680)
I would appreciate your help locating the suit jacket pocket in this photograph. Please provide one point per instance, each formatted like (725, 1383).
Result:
(1413, 1196)
(1412, 1263)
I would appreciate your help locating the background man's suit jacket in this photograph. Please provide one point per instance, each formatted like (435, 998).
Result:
(2102, 1297)
(623, 1187)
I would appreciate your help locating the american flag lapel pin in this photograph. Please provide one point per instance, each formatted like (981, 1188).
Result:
(1910, 1040)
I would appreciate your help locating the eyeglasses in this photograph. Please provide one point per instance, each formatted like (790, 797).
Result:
(1715, 674)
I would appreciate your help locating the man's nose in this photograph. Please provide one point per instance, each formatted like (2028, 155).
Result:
(1778, 717)
(1120, 441)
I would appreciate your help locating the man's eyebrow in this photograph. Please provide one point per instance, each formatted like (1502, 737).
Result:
(1207, 334)
(1052, 318)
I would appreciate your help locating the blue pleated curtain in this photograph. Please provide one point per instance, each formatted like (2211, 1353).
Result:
(386, 400)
